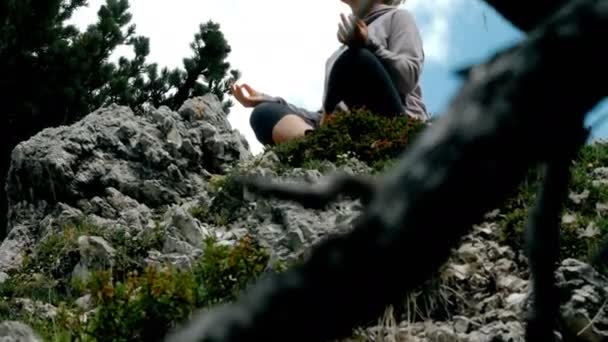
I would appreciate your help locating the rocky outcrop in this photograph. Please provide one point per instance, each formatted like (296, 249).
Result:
(129, 173)
(116, 168)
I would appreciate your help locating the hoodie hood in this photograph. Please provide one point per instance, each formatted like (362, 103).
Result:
(377, 11)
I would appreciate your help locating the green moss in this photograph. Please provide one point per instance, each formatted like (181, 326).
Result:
(57, 254)
(200, 212)
(45, 274)
(140, 305)
(573, 244)
(35, 286)
(131, 251)
(144, 307)
(226, 203)
(512, 228)
(216, 183)
(381, 166)
(315, 164)
(223, 271)
(64, 327)
(369, 137)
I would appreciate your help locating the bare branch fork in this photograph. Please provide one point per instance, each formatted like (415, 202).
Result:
(524, 106)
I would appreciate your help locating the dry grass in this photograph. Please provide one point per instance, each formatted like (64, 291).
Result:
(419, 306)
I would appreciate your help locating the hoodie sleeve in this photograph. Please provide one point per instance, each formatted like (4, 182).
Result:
(314, 116)
(404, 53)
(268, 98)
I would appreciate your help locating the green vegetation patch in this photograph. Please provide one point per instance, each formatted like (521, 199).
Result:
(145, 307)
(132, 302)
(583, 225)
(369, 137)
(226, 204)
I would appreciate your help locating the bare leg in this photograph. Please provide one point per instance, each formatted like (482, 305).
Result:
(275, 123)
(289, 127)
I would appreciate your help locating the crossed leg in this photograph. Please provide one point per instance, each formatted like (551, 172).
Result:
(357, 77)
(272, 123)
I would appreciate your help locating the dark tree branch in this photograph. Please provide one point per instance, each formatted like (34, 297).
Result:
(600, 259)
(523, 15)
(316, 196)
(526, 15)
(542, 238)
(520, 108)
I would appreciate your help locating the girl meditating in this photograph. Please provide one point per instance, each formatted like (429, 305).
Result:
(377, 67)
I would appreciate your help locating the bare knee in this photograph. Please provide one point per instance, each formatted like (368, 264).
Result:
(289, 127)
(272, 123)
(264, 118)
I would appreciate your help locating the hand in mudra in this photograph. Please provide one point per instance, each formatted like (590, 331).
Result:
(249, 97)
(358, 28)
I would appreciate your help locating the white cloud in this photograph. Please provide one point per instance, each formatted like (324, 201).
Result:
(280, 46)
(434, 19)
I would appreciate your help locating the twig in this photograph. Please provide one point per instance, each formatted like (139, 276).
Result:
(594, 319)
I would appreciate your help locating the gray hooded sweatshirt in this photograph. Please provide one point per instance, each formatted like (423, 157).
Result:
(394, 38)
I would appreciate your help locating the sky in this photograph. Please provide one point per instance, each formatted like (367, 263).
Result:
(280, 46)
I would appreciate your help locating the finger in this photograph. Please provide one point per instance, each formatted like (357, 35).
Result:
(341, 38)
(345, 37)
(357, 23)
(250, 90)
(342, 34)
(240, 96)
(361, 25)
(345, 32)
(235, 88)
(344, 27)
(238, 90)
(346, 20)
(352, 21)
(348, 28)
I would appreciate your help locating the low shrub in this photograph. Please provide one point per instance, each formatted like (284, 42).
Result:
(369, 137)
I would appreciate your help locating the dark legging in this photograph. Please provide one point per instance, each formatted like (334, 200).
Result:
(360, 80)
(357, 77)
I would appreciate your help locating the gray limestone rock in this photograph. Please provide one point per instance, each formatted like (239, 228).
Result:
(12, 331)
(117, 170)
